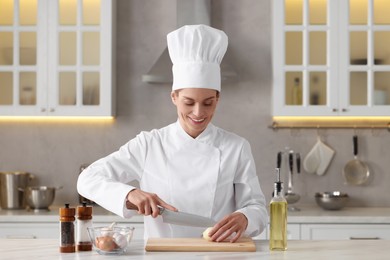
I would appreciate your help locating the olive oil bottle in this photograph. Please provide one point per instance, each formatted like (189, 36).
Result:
(278, 214)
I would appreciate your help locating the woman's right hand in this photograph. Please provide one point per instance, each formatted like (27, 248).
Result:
(146, 203)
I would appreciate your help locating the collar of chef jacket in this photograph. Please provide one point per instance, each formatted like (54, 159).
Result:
(206, 137)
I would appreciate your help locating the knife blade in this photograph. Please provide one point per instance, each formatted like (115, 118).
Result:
(185, 219)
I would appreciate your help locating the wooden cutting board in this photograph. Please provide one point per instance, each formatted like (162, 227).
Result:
(244, 244)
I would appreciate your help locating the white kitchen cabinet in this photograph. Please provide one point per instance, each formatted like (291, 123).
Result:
(344, 231)
(331, 58)
(293, 232)
(51, 230)
(29, 230)
(56, 58)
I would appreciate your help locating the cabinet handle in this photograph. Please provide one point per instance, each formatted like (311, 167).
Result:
(43, 109)
(335, 110)
(20, 237)
(52, 110)
(364, 238)
(344, 110)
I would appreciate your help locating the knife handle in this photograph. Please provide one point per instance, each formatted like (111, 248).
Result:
(298, 155)
(279, 160)
(161, 209)
(291, 160)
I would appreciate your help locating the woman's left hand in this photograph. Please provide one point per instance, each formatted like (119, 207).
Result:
(233, 225)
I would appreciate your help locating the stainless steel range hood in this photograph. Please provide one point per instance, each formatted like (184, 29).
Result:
(188, 12)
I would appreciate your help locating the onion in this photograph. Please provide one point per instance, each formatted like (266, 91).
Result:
(106, 243)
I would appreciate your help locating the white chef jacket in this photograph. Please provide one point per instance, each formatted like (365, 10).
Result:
(212, 175)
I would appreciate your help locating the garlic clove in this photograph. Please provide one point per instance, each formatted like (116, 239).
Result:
(206, 234)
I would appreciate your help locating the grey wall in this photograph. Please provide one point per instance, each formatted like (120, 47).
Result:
(54, 151)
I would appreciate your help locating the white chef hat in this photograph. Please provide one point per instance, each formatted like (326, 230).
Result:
(196, 52)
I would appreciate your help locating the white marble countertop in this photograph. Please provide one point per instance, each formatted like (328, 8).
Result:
(320, 250)
(308, 214)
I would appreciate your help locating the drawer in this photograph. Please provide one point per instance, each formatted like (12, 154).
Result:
(51, 230)
(29, 230)
(344, 231)
(293, 232)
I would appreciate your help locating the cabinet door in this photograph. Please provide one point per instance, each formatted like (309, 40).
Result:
(51, 230)
(56, 57)
(293, 232)
(29, 230)
(344, 231)
(305, 60)
(331, 58)
(22, 27)
(80, 60)
(365, 65)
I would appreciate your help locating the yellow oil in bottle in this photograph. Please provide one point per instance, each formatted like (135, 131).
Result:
(278, 214)
(278, 224)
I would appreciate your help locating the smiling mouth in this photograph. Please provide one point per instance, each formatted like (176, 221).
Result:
(197, 121)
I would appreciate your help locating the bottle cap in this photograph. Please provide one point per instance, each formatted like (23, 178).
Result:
(84, 212)
(67, 213)
(278, 186)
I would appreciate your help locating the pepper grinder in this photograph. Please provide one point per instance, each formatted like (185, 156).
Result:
(67, 238)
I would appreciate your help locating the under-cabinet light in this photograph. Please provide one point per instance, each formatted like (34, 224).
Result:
(331, 122)
(56, 119)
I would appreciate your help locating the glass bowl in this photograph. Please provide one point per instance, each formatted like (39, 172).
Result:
(110, 240)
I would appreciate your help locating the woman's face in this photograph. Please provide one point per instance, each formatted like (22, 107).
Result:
(195, 108)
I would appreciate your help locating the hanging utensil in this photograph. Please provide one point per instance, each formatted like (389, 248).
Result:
(319, 158)
(290, 196)
(298, 158)
(356, 172)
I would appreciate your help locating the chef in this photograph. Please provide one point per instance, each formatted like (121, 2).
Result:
(190, 165)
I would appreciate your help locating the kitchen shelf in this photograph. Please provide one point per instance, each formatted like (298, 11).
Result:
(331, 122)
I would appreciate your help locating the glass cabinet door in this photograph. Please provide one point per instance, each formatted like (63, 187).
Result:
(56, 57)
(19, 65)
(304, 63)
(331, 57)
(78, 48)
(367, 67)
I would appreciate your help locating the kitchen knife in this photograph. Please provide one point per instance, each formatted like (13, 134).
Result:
(185, 219)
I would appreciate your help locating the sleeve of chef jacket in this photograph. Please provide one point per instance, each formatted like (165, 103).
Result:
(105, 181)
(248, 195)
